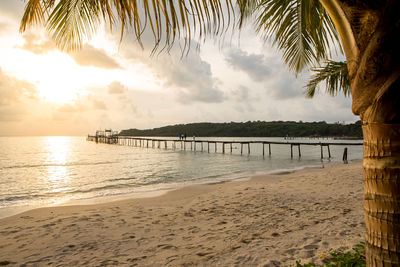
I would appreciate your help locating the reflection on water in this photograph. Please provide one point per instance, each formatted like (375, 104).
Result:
(58, 148)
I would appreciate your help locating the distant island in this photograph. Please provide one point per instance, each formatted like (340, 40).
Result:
(255, 129)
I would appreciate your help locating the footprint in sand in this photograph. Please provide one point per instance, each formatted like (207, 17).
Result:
(4, 263)
(137, 258)
(167, 246)
(345, 232)
(311, 247)
(128, 236)
(291, 251)
(273, 263)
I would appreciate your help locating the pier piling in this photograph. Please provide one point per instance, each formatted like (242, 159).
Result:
(108, 138)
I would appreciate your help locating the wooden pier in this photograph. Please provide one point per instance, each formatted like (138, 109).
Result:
(107, 136)
(205, 144)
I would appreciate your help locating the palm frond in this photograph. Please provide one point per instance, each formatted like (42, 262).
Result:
(71, 22)
(35, 11)
(247, 9)
(301, 29)
(336, 77)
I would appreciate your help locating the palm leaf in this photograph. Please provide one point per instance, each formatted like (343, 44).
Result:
(301, 29)
(71, 22)
(336, 77)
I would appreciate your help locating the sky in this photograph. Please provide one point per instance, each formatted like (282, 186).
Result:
(119, 85)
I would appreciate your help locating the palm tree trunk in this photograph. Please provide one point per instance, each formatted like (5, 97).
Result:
(382, 193)
(369, 32)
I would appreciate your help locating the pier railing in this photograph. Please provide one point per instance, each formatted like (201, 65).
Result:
(205, 144)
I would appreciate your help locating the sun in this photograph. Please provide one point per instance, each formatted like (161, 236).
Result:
(59, 79)
(58, 89)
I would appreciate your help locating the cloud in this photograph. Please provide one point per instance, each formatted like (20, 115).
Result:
(328, 108)
(83, 104)
(4, 27)
(14, 94)
(254, 65)
(285, 86)
(96, 103)
(277, 81)
(12, 90)
(116, 88)
(37, 44)
(11, 114)
(87, 56)
(67, 108)
(91, 56)
(269, 71)
(244, 99)
(241, 94)
(83, 108)
(189, 76)
(12, 8)
(192, 79)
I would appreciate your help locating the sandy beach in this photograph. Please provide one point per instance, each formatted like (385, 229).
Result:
(270, 220)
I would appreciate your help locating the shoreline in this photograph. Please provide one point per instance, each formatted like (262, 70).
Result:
(269, 219)
(158, 191)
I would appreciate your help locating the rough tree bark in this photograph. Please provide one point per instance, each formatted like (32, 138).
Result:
(370, 32)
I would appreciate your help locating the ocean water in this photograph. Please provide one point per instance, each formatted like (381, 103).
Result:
(45, 171)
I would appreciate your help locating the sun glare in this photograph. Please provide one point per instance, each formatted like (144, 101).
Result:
(58, 149)
(57, 90)
(61, 81)
(56, 77)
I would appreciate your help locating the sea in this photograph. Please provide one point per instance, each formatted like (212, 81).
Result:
(61, 170)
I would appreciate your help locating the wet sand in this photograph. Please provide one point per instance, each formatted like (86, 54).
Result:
(270, 220)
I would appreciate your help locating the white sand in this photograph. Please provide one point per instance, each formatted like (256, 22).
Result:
(267, 221)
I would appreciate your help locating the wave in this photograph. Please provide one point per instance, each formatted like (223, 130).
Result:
(289, 170)
(101, 188)
(16, 198)
(59, 165)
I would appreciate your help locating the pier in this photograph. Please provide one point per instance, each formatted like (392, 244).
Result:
(109, 137)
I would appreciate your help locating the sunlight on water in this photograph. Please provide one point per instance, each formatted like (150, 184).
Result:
(58, 148)
(58, 156)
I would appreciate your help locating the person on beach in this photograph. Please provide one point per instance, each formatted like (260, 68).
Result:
(194, 137)
(345, 156)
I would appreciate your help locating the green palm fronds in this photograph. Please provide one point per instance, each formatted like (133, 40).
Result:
(71, 22)
(301, 29)
(336, 77)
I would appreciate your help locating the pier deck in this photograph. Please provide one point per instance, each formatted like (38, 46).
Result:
(194, 144)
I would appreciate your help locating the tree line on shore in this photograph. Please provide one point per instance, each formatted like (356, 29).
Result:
(254, 129)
